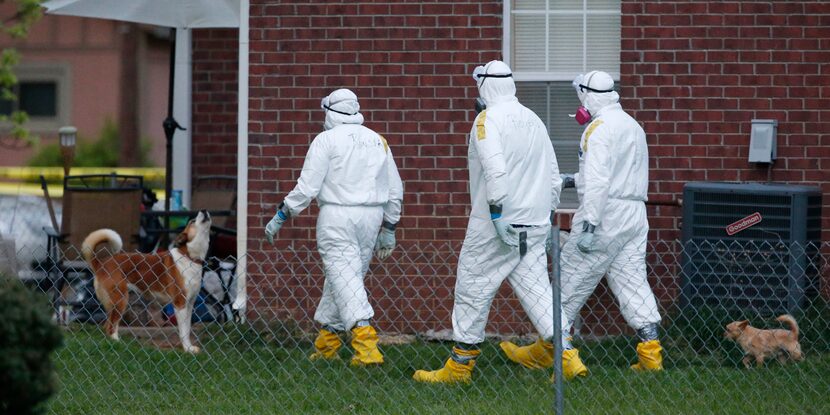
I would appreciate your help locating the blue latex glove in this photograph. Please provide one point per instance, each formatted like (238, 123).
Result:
(585, 243)
(386, 241)
(568, 180)
(276, 223)
(507, 233)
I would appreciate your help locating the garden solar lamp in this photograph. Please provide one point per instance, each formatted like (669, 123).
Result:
(68, 135)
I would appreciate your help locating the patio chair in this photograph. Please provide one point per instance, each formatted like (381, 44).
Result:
(90, 202)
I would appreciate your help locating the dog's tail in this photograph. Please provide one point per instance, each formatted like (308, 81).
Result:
(99, 237)
(790, 321)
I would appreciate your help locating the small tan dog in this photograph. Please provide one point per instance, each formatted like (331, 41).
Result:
(766, 343)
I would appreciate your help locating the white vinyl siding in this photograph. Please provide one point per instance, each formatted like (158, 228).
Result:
(547, 44)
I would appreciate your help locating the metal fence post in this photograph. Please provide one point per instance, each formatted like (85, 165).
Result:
(559, 384)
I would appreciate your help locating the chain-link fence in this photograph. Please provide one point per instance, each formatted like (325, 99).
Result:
(258, 362)
(22, 221)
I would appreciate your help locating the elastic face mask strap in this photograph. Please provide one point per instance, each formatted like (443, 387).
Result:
(334, 110)
(585, 86)
(485, 76)
(601, 91)
(329, 107)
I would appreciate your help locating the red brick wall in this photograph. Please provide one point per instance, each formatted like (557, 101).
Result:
(215, 75)
(409, 64)
(696, 73)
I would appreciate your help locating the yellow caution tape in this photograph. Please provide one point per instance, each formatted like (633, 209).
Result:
(56, 173)
(34, 189)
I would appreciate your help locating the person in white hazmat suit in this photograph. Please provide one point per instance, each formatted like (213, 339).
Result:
(350, 170)
(514, 189)
(610, 229)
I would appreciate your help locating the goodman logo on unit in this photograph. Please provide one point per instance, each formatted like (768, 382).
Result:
(744, 223)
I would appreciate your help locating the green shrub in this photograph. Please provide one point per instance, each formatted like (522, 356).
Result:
(102, 152)
(27, 339)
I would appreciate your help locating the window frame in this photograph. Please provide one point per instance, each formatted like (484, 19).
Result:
(60, 74)
(569, 195)
(550, 76)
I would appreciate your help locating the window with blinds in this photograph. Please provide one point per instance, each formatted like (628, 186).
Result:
(549, 43)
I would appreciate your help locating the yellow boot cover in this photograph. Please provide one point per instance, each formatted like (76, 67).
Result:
(538, 355)
(326, 346)
(452, 372)
(365, 344)
(651, 356)
(572, 365)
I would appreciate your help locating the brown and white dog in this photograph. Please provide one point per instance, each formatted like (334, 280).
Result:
(173, 276)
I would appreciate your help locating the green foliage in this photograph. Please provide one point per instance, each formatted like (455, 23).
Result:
(27, 339)
(8, 59)
(27, 13)
(102, 152)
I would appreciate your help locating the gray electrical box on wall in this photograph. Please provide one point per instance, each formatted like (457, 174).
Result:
(762, 141)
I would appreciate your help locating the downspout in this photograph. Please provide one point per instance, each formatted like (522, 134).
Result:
(242, 166)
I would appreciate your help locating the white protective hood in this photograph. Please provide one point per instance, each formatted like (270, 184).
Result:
(341, 107)
(596, 101)
(495, 90)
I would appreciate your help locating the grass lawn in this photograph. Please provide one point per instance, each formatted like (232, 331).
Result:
(241, 374)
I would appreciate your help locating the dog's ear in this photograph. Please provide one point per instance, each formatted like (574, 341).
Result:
(181, 239)
(742, 324)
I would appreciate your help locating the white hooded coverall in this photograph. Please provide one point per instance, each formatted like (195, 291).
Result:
(612, 184)
(350, 170)
(512, 164)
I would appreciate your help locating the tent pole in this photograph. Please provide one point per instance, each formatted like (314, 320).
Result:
(170, 125)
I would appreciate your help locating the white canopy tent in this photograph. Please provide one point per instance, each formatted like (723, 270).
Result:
(183, 15)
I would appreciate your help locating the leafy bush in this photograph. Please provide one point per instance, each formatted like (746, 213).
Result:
(27, 339)
(102, 152)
